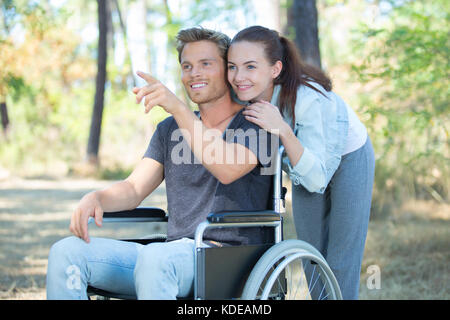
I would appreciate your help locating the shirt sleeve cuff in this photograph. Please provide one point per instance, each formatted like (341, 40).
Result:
(304, 165)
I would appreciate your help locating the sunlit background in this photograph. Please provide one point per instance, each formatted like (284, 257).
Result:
(389, 59)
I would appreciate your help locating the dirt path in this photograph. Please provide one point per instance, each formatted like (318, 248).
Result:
(36, 213)
(411, 247)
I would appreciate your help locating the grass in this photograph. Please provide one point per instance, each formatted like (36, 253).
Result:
(410, 247)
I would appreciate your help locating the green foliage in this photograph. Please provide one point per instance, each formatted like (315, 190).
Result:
(18, 87)
(55, 142)
(48, 82)
(406, 73)
(47, 79)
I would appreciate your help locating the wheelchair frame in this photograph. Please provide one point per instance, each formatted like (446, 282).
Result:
(266, 218)
(212, 284)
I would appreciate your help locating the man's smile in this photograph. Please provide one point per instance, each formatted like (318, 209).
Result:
(198, 85)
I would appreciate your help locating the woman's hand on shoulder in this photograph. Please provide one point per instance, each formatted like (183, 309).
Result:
(267, 116)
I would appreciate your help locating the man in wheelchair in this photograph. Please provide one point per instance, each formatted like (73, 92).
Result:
(210, 161)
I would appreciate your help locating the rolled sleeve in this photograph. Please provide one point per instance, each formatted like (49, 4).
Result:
(305, 164)
(308, 172)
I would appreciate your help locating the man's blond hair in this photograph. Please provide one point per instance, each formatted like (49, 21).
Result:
(202, 34)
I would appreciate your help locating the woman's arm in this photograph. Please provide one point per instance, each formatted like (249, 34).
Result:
(306, 163)
(292, 145)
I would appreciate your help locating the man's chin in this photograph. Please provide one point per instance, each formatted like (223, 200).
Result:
(202, 99)
(199, 100)
(194, 97)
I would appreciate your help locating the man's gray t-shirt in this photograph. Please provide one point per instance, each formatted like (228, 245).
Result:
(193, 192)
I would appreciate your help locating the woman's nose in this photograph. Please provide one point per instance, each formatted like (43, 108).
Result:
(238, 76)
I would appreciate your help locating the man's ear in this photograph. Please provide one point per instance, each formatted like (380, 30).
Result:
(276, 69)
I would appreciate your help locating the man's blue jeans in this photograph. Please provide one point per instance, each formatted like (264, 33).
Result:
(154, 271)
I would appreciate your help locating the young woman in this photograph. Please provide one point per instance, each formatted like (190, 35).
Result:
(330, 158)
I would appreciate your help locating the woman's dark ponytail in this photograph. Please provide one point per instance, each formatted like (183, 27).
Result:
(289, 78)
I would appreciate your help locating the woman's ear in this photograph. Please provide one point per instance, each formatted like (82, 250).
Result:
(276, 69)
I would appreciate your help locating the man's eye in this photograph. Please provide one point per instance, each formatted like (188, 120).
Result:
(250, 67)
(231, 67)
(186, 67)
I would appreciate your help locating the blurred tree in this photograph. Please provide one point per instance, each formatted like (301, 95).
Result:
(4, 118)
(37, 55)
(405, 69)
(97, 113)
(302, 27)
(123, 29)
(48, 60)
(7, 12)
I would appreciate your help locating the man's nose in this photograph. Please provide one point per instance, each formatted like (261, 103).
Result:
(196, 71)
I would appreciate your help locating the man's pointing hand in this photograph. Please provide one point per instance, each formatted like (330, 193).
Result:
(156, 94)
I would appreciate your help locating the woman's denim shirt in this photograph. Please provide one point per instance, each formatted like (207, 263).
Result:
(321, 125)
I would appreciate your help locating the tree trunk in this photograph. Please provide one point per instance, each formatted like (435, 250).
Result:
(110, 26)
(4, 117)
(96, 122)
(302, 20)
(123, 28)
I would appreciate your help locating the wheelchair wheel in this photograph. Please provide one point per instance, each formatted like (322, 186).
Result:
(292, 270)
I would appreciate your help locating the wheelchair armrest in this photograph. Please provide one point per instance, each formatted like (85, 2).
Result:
(243, 216)
(140, 214)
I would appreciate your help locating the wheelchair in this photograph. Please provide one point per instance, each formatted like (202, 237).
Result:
(282, 270)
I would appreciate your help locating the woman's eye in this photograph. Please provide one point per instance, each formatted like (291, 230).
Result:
(186, 67)
(231, 67)
(250, 67)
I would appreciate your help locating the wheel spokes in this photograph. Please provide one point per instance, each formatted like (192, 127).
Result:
(290, 278)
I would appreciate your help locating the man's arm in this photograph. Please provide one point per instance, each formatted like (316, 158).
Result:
(226, 161)
(123, 195)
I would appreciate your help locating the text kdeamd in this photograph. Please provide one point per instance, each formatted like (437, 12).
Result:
(226, 309)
